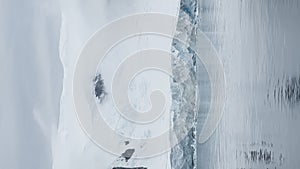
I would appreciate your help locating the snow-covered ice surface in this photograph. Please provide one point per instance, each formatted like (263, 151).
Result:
(80, 20)
(40, 42)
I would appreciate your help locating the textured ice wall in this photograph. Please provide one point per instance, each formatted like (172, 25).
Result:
(184, 87)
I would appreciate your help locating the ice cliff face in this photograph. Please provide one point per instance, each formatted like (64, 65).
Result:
(184, 88)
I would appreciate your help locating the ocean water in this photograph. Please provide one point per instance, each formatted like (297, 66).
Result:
(258, 45)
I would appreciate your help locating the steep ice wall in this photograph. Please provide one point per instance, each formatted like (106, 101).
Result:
(184, 87)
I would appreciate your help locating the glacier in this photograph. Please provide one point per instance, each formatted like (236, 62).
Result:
(257, 43)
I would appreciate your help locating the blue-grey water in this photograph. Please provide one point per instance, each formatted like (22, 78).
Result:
(258, 44)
